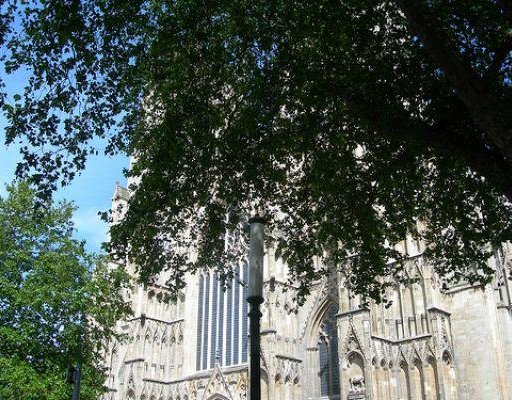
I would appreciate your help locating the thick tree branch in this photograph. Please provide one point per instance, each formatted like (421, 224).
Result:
(481, 159)
(442, 139)
(483, 104)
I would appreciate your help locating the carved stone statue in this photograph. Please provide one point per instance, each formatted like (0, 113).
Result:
(356, 383)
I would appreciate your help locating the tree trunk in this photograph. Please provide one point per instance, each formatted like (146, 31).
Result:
(483, 103)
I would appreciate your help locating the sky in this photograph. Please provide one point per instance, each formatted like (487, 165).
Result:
(91, 191)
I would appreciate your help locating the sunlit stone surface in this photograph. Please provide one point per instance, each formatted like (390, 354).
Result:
(429, 344)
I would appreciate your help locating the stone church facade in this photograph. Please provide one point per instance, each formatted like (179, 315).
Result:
(430, 344)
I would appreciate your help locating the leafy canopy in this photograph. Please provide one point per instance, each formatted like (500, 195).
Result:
(54, 312)
(348, 123)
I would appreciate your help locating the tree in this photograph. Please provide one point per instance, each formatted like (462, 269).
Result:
(350, 123)
(54, 312)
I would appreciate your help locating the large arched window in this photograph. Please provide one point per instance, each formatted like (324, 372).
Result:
(328, 353)
(222, 320)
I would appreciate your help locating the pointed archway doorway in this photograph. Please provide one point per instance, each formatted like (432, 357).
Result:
(322, 366)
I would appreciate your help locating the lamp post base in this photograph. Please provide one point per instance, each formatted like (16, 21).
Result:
(254, 366)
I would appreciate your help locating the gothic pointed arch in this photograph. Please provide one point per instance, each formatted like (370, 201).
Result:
(144, 395)
(401, 358)
(352, 341)
(402, 388)
(416, 379)
(315, 318)
(164, 336)
(321, 339)
(418, 267)
(325, 298)
(148, 342)
(157, 335)
(448, 370)
(217, 385)
(354, 374)
(131, 381)
(431, 379)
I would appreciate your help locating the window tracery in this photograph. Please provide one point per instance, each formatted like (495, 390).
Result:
(328, 353)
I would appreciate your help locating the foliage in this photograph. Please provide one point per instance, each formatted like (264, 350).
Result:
(348, 123)
(54, 312)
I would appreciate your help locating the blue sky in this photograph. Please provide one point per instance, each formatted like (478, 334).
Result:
(91, 191)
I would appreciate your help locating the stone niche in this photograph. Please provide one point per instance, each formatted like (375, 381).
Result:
(357, 389)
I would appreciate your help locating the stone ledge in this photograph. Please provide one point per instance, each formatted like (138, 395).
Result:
(405, 340)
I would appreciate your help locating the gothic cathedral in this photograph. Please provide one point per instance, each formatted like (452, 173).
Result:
(430, 344)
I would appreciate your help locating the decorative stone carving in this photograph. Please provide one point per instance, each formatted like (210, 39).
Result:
(352, 341)
(289, 350)
(357, 383)
(241, 386)
(287, 370)
(217, 385)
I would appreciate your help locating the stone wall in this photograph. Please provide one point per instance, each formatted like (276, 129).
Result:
(429, 344)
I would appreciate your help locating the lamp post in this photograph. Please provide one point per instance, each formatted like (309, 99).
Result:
(75, 374)
(78, 380)
(255, 298)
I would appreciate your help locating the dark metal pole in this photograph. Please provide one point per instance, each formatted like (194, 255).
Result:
(78, 379)
(254, 368)
(77, 376)
(255, 298)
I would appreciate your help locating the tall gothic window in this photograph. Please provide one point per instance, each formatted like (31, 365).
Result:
(222, 320)
(328, 353)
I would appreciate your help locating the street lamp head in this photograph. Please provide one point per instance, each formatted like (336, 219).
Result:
(257, 239)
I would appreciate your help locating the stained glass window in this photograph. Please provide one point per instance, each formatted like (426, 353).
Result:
(222, 323)
(328, 353)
